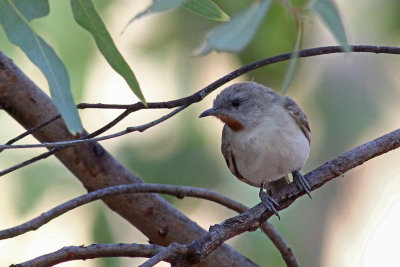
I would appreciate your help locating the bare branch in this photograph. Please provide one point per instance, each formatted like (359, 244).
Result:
(30, 131)
(174, 249)
(247, 221)
(64, 144)
(140, 128)
(31, 160)
(198, 96)
(178, 191)
(94, 251)
(96, 168)
(251, 219)
(107, 106)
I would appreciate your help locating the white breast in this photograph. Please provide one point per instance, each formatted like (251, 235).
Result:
(271, 150)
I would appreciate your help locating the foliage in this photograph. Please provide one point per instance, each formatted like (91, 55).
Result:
(232, 36)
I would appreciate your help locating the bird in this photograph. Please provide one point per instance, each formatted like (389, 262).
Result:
(265, 137)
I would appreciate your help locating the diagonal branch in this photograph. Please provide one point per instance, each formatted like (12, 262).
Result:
(251, 219)
(173, 250)
(94, 251)
(96, 168)
(178, 191)
(198, 96)
(174, 190)
(140, 128)
(29, 106)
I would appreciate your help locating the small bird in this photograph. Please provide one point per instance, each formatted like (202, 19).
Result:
(265, 137)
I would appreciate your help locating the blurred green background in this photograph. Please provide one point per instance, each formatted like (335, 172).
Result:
(349, 100)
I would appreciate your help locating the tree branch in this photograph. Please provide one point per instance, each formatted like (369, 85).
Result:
(173, 250)
(140, 128)
(31, 131)
(96, 169)
(251, 219)
(174, 190)
(18, 95)
(198, 96)
(94, 251)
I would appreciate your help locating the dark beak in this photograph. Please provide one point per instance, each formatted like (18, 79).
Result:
(209, 112)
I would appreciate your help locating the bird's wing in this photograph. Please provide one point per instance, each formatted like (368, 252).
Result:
(299, 116)
(228, 154)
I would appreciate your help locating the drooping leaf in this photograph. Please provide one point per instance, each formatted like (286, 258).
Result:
(235, 35)
(15, 16)
(293, 60)
(86, 15)
(31, 9)
(157, 7)
(327, 10)
(207, 9)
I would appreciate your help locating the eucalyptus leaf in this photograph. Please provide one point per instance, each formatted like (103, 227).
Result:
(327, 10)
(157, 7)
(207, 9)
(15, 16)
(31, 9)
(235, 35)
(86, 15)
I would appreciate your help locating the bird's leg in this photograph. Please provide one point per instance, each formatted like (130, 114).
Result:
(268, 201)
(301, 182)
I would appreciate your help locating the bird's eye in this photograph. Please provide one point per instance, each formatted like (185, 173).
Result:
(235, 103)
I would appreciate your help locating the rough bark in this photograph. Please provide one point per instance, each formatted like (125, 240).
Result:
(96, 168)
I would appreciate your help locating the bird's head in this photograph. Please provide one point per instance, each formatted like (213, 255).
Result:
(242, 105)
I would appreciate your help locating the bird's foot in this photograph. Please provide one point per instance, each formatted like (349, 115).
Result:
(301, 182)
(268, 201)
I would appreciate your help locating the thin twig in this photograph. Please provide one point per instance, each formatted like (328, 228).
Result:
(140, 128)
(65, 144)
(30, 131)
(198, 96)
(172, 249)
(31, 160)
(251, 219)
(110, 124)
(96, 168)
(178, 191)
(92, 252)
(104, 106)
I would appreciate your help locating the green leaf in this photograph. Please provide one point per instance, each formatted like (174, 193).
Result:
(157, 7)
(327, 10)
(207, 9)
(235, 35)
(32, 9)
(15, 16)
(293, 60)
(86, 15)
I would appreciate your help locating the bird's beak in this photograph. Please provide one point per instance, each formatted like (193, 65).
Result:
(209, 112)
